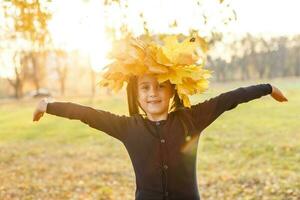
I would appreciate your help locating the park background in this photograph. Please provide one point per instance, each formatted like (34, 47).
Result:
(59, 48)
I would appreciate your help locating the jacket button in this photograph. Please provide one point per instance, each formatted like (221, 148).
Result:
(162, 141)
(157, 123)
(165, 166)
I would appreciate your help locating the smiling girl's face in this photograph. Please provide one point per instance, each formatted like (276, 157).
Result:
(153, 97)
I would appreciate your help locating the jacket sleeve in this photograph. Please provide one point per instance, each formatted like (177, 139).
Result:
(112, 124)
(206, 112)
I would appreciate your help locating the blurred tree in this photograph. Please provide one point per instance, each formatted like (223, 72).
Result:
(259, 57)
(20, 75)
(262, 57)
(296, 55)
(61, 68)
(27, 35)
(281, 56)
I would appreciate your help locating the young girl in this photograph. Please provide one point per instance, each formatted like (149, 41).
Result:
(162, 145)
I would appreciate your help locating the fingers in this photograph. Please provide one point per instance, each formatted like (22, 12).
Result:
(284, 98)
(277, 95)
(281, 98)
(34, 116)
(37, 115)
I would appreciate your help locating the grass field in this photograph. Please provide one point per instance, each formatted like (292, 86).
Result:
(251, 152)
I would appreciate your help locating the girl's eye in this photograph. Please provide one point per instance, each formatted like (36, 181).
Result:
(144, 87)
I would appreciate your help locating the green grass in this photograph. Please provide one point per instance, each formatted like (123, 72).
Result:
(251, 152)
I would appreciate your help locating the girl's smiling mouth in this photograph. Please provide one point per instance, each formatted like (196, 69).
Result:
(154, 102)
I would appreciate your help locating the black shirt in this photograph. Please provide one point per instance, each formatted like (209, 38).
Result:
(163, 153)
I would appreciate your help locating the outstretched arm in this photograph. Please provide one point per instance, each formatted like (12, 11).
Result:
(107, 122)
(206, 112)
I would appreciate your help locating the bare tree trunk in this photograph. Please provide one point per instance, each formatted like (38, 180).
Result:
(17, 84)
(62, 69)
(62, 72)
(297, 63)
(35, 69)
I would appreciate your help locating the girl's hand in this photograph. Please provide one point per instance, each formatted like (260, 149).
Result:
(40, 109)
(277, 94)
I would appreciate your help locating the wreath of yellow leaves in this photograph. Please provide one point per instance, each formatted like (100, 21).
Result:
(168, 59)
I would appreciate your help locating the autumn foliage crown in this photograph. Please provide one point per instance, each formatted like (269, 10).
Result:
(166, 58)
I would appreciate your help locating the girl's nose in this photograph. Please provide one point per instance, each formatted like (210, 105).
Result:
(153, 91)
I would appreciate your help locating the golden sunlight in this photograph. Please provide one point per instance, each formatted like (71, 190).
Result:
(81, 27)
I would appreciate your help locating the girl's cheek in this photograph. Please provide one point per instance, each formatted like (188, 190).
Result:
(142, 97)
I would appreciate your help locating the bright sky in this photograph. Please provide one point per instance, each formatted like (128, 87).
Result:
(79, 24)
(267, 17)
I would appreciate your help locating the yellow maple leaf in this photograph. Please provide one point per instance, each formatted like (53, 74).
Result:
(155, 67)
(127, 51)
(182, 53)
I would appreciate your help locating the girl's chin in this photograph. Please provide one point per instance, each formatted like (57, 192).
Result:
(155, 110)
(156, 107)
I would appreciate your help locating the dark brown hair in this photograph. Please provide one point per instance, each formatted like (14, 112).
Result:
(132, 98)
